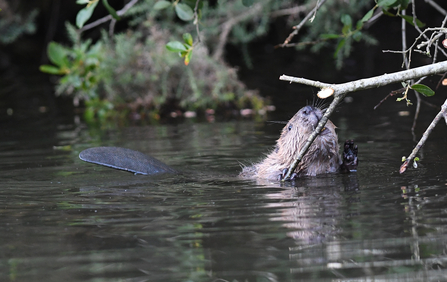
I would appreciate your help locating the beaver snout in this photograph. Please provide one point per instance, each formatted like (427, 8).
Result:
(312, 115)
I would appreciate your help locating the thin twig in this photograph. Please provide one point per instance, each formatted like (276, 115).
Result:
(424, 138)
(392, 93)
(228, 25)
(300, 25)
(108, 17)
(404, 41)
(196, 21)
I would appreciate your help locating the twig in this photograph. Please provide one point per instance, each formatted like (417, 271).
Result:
(427, 132)
(300, 25)
(228, 25)
(196, 21)
(392, 93)
(108, 17)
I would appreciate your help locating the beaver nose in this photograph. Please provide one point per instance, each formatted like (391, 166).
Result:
(307, 110)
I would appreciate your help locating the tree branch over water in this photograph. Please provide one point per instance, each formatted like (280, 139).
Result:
(340, 90)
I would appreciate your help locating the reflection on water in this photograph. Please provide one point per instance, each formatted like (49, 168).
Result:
(65, 220)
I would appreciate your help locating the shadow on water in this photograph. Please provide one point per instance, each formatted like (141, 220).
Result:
(63, 219)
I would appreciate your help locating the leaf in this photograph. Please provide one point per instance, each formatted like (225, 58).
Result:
(346, 19)
(357, 36)
(387, 3)
(423, 89)
(176, 46)
(247, 3)
(409, 19)
(56, 53)
(111, 10)
(50, 69)
(339, 46)
(346, 29)
(368, 15)
(184, 12)
(187, 38)
(188, 57)
(82, 2)
(160, 5)
(404, 4)
(329, 36)
(85, 14)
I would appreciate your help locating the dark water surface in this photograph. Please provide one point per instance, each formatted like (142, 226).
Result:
(65, 220)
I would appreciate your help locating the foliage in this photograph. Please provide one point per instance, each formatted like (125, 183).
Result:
(14, 25)
(79, 66)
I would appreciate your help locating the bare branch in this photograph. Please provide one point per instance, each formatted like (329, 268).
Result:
(228, 25)
(196, 21)
(300, 25)
(377, 81)
(421, 142)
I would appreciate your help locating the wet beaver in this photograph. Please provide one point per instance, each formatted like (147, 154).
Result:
(322, 156)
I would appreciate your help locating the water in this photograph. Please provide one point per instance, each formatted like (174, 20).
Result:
(62, 219)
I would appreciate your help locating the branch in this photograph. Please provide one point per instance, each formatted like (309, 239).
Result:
(427, 132)
(367, 83)
(340, 91)
(228, 25)
(108, 17)
(297, 28)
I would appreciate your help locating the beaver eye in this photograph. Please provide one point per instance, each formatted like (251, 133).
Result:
(290, 127)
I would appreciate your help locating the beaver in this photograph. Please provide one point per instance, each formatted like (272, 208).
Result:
(321, 157)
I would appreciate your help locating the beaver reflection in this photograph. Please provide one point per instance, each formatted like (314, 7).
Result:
(322, 156)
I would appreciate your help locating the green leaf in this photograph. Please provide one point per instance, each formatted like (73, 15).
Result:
(57, 53)
(188, 57)
(423, 89)
(176, 46)
(247, 3)
(160, 5)
(409, 19)
(111, 10)
(50, 69)
(346, 19)
(387, 3)
(368, 15)
(187, 38)
(329, 36)
(385, 12)
(346, 29)
(404, 4)
(82, 2)
(184, 12)
(357, 36)
(339, 46)
(85, 14)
